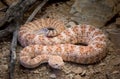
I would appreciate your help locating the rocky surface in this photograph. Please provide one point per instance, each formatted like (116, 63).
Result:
(2, 6)
(108, 68)
(9, 2)
(118, 21)
(2, 13)
(95, 12)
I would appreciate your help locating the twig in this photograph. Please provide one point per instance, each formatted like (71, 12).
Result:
(11, 13)
(7, 31)
(10, 28)
(13, 52)
(17, 20)
(36, 11)
(14, 40)
(20, 6)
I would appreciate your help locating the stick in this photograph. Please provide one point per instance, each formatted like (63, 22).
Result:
(14, 40)
(36, 11)
(10, 28)
(20, 7)
(13, 10)
(13, 52)
(7, 31)
(17, 20)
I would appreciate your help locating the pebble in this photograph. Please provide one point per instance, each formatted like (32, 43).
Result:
(77, 77)
(71, 24)
(83, 73)
(118, 21)
(36, 72)
(53, 76)
(3, 67)
(42, 68)
(70, 76)
(115, 72)
(77, 70)
(102, 64)
(6, 52)
(115, 61)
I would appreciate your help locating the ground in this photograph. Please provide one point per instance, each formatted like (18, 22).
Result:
(108, 68)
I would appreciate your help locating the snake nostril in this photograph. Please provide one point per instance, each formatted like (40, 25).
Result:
(50, 28)
(56, 64)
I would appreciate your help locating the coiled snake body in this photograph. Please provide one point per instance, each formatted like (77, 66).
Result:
(57, 43)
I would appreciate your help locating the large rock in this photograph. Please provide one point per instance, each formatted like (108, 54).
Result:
(94, 12)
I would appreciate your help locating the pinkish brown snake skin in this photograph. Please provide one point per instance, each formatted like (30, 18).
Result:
(40, 48)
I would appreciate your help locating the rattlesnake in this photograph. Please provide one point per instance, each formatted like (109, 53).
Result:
(59, 43)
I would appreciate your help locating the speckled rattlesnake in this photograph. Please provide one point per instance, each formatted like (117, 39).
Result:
(56, 44)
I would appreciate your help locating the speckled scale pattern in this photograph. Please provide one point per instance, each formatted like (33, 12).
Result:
(38, 48)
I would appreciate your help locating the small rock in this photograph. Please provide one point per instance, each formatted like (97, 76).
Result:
(70, 76)
(4, 67)
(77, 70)
(36, 72)
(115, 72)
(118, 21)
(83, 73)
(53, 76)
(102, 64)
(77, 77)
(115, 61)
(71, 24)
(43, 68)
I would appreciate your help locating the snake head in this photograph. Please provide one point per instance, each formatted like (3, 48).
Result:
(56, 62)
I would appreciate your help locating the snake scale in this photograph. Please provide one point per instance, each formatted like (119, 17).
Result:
(47, 40)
